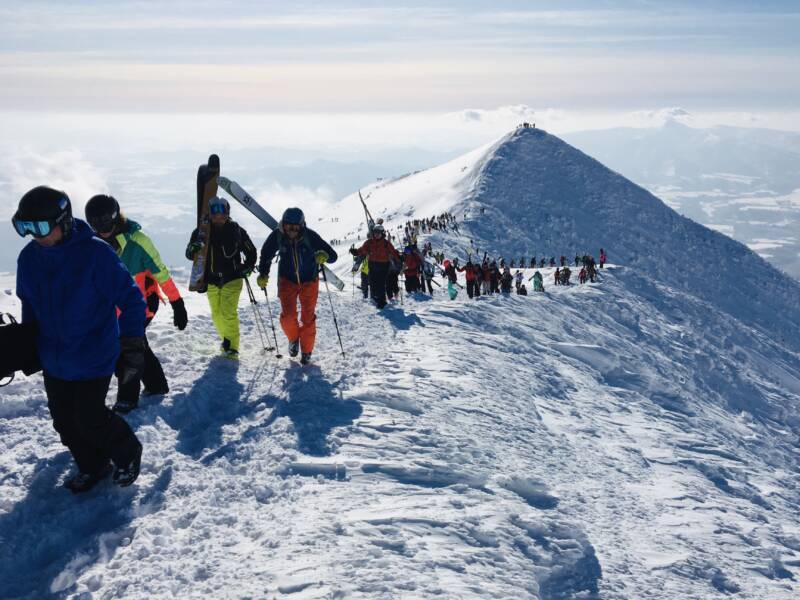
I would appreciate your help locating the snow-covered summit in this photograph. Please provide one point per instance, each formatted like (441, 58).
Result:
(530, 193)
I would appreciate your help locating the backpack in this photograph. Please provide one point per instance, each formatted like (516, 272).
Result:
(17, 348)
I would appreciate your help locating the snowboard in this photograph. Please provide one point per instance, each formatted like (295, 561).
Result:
(242, 197)
(206, 189)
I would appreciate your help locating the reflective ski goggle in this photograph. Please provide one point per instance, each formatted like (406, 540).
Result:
(37, 229)
(217, 208)
(104, 223)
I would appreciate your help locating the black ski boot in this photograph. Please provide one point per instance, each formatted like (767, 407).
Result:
(305, 358)
(123, 407)
(157, 391)
(83, 482)
(294, 348)
(126, 475)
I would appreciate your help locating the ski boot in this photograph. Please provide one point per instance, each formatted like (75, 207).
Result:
(123, 407)
(125, 476)
(83, 482)
(294, 348)
(158, 390)
(305, 358)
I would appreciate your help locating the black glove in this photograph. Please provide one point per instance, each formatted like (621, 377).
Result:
(130, 364)
(353, 251)
(152, 303)
(179, 316)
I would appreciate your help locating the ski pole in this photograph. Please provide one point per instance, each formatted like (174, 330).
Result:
(333, 312)
(272, 324)
(257, 319)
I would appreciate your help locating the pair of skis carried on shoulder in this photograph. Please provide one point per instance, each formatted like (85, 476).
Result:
(242, 197)
(208, 179)
(206, 189)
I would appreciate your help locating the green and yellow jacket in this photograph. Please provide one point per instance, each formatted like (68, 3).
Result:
(137, 252)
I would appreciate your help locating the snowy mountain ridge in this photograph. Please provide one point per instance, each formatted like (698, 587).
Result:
(743, 182)
(633, 438)
(540, 196)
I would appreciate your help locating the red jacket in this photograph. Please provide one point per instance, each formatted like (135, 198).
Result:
(412, 264)
(471, 272)
(378, 250)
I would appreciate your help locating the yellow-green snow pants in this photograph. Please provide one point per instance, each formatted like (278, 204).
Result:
(224, 303)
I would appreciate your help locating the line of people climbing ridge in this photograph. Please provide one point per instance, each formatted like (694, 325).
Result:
(380, 265)
(412, 229)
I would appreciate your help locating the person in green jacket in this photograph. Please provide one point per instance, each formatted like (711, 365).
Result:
(137, 252)
(538, 284)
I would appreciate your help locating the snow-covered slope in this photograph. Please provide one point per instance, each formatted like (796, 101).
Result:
(744, 182)
(633, 438)
(540, 196)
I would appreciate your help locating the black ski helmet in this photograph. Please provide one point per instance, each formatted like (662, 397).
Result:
(293, 216)
(40, 210)
(102, 213)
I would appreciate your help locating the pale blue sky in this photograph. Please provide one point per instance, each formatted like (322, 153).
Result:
(203, 56)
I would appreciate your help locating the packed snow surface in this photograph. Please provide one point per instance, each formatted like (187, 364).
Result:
(632, 438)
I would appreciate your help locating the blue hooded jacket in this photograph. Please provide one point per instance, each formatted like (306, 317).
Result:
(72, 292)
(297, 262)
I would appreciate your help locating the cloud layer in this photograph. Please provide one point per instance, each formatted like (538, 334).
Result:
(356, 56)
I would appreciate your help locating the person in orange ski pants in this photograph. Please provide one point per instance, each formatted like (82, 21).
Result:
(302, 251)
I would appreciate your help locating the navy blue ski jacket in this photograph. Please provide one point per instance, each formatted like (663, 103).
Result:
(297, 263)
(72, 291)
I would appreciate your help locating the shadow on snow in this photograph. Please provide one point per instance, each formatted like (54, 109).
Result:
(214, 401)
(312, 404)
(315, 408)
(49, 536)
(399, 318)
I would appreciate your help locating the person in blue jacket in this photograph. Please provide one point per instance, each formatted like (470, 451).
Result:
(302, 251)
(72, 286)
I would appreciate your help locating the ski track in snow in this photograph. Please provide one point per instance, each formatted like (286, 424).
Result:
(507, 447)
